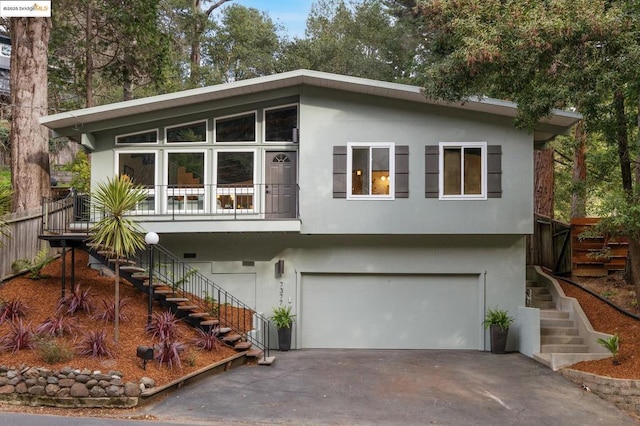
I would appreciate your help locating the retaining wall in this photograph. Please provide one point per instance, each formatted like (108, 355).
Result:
(69, 387)
(624, 393)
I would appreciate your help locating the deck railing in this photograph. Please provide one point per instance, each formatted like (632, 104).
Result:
(76, 212)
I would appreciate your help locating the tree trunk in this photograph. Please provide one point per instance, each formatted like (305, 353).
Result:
(29, 140)
(543, 197)
(579, 177)
(88, 77)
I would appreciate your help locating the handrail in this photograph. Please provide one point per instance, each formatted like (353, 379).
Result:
(188, 282)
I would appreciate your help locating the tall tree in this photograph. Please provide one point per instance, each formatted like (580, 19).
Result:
(543, 55)
(246, 45)
(362, 39)
(29, 140)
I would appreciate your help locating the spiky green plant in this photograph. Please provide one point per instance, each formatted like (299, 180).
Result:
(612, 344)
(34, 266)
(116, 231)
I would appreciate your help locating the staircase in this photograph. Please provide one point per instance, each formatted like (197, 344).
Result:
(193, 298)
(566, 336)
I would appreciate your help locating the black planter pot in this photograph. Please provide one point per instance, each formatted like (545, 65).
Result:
(284, 339)
(498, 339)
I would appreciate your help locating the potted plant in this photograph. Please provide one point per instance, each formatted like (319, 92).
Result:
(283, 319)
(498, 321)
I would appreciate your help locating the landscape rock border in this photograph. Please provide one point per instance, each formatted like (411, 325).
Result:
(623, 393)
(75, 388)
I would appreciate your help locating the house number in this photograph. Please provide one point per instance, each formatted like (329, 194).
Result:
(281, 292)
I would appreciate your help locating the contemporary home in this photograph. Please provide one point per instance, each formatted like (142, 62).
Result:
(386, 220)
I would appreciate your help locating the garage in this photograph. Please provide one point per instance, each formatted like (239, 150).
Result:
(379, 311)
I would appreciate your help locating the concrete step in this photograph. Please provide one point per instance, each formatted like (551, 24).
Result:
(543, 305)
(571, 349)
(556, 322)
(553, 314)
(538, 290)
(561, 340)
(542, 297)
(556, 331)
(534, 283)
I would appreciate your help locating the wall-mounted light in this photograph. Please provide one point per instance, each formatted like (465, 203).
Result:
(383, 178)
(358, 172)
(279, 268)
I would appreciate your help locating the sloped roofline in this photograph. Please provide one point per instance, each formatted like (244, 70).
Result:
(562, 120)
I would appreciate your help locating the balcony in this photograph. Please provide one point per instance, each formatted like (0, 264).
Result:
(201, 208)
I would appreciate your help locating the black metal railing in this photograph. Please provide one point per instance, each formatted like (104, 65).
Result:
(187, 282)
(219, 202)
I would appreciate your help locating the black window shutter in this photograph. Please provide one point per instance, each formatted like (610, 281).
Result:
(494, 171)
(402, 171)
(339, 172)
(432, 170)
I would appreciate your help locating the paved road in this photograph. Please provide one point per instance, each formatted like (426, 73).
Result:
(389, 387)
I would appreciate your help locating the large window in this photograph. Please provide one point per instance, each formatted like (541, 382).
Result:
(463, 170)
(187, 133)
(185, 179)
(150, 136)
(140, 167)
(235, 176)
(370, 171)
(238, 128)
(281, 124)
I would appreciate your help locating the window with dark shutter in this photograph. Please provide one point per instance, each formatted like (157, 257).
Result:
(457, 175)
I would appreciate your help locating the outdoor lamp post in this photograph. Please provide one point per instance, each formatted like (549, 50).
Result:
(151, 239)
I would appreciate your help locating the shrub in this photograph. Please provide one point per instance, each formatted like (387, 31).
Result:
(163, 326)
(612, 344)
(34, 266)
(57, 326)
(12, 310)
(20, 337)
(53, 352)
(76, 301)
(94, 344)
(168, 352)
(109, 312)
(207, 340)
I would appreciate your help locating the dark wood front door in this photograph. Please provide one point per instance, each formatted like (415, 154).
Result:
(281, 184)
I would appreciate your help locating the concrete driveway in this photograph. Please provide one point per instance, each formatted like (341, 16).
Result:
(388, 387)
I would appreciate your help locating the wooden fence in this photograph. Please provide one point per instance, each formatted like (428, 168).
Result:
(550, 245)
(24, 228)
(595, 255)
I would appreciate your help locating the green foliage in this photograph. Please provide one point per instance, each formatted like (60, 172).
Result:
(282, 316)
(34, 266)
(52, 352)
(5, 205)
(608, 293)
(81, 172)
(612, 344)
(118, 232)
(497, 317)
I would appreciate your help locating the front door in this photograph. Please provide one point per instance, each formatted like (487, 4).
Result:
(281, 185)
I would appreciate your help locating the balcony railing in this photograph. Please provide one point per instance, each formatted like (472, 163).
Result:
(211, 202)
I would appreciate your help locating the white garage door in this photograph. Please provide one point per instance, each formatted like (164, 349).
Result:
(391, 311)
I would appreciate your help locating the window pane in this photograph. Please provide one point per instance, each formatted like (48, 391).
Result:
(196, 132)
(141, 168)
(360, 175)
(236, 129)
(146, 137)
(186, 169)
(473, 171)
(380, 171)
(279, 123)
(452, 171)
(235, 168)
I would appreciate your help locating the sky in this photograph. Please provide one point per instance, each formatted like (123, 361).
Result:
(291, 14)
